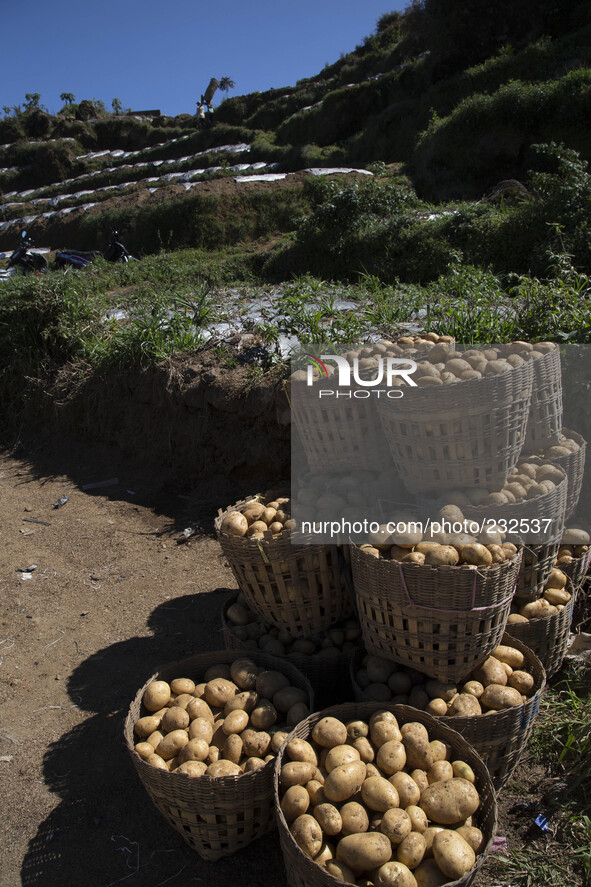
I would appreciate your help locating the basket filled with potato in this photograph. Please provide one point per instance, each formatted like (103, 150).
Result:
(568, 454)
(544, 625)
(438, 608)
(574, 554)
(324, 658)
(463, 426)
(202, 735)
(544, 424)
(302, 588)
(381, 794)
(506, 687)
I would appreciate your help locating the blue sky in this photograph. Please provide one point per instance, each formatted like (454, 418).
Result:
(161, 55)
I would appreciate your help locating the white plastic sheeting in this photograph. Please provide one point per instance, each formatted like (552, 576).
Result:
(332, 170)
(266, 177)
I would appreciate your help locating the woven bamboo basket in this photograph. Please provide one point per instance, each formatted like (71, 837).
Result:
(577, 571)
(574, 467)
(216, 817)
(442, 621)
(302, 871)
(499, 737)
(469, 434)
(301, 588)
(547, 637)
(337, 432)
(544, 423)
(534, 521)
(328, 672)
(536, 565)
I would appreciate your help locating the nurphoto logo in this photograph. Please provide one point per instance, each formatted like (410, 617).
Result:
(390, 371)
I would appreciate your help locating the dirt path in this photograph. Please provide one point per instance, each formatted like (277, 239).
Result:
(113, 596)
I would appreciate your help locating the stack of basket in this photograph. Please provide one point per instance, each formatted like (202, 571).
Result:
(301, 589)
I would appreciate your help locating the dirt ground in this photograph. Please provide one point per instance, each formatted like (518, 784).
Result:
(113, 596)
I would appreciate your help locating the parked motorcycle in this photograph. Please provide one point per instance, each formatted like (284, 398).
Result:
(24, 258)
(116, 251)
(74, 258)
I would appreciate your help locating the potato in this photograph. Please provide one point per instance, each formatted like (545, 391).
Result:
(515, 619)
(418, 751)
(192, 768)
(326, 854)
(244, 673)
(418, 819)
(573, 536)
(357, 730)
(218, 691)
(450, 801)
(154, 738)
(145, 726)
(296, 713)
(382, 730)
(183, 701)
(521, 681)
(201, 728)
(144, 750)
(556, 579)
(499, 698)
(307, 834)
(329, 819)
(198, 708)
(218, 769)
(255, 764)
(419, 777)
(440, 770)
(156, 695)
(454, 856)
(490, 672)
(394, 874)
(365, 749)
(155, 760)
(391, 757)
(437, 707)
(364, 852)
(288, 696)
(234, 524)
(475, 554)
(354, 818)
(412, 850)
(465, 706)
(408, 790)
(300, 750)
(378, 794)
(537, 609)
(341, 871)
(297, 773)
(396, 824)
(344, 781)
(182, 685)
(473, 836)
(270, 682)
(172, 743)
(233, 748)
(442, 555)
(329, 732)
(474, 688)
(174, 719)
(557, 596)
(315, 789)
(263, 715)
(464, 771)
(428, 874)
(340, 754)
(194, 750)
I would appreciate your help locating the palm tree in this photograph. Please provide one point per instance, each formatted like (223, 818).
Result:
(68, 97)
(226, 83)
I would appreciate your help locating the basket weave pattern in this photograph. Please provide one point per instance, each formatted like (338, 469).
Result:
(548, 637)
(536, 565)
(544, 423)
(301, 871)
(574, 467)
(442, 621)
(498, 737)
(469, 434)
(300, 588)
(216, 817)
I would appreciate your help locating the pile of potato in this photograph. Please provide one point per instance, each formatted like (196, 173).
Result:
(554, 598)
(532, 477)
(258, 517)
(378, 803)
(566, 446)
(255, 633)
(446, 367)
(573, 545)
(501, 682)
(232, 722)
(434, 547)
